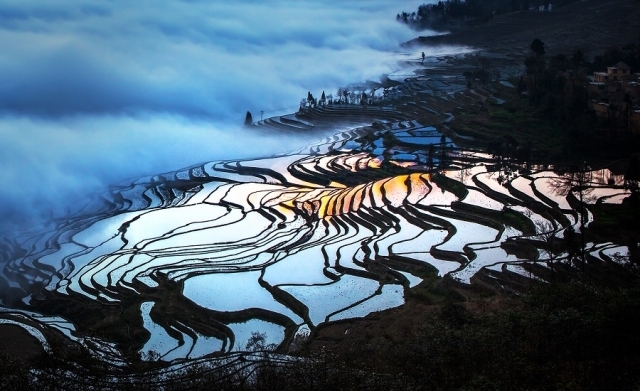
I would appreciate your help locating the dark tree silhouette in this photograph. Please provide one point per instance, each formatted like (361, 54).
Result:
(443, 150)
(345, 93)
(248, 119)
(632, 176)
(481, 71)
(430, 156)
(559, 63)
(537, 46)
(578, 179)
(578, 59)
(522, 86)
(310, 99)
(468, 75)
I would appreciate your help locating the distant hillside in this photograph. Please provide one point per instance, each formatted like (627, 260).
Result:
(592, 25)
(455, 15)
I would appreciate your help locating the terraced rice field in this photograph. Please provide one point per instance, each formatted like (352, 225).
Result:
(188, 264)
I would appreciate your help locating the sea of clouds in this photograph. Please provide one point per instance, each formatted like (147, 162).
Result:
(96, 91)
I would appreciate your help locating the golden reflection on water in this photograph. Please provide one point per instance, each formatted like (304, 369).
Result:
(395, 190)
(328, 202)
(403, 164)
(374, 163)
(337, 198)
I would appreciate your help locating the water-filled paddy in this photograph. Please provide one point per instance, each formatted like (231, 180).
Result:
(284, 244)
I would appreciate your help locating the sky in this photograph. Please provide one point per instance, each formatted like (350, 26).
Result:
(96, 91)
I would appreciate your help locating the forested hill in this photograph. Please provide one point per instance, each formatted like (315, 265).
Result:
(585, 24)
(451, 15)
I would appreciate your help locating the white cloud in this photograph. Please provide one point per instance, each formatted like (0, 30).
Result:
(190, 57)
(94, 92)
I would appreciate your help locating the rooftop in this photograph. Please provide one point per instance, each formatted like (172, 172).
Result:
(621, 65)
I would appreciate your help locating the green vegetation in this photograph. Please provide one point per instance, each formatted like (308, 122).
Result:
(547, 115)
(448, 184)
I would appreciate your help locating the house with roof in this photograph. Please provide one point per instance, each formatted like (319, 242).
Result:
(614, 96)
(619, 71)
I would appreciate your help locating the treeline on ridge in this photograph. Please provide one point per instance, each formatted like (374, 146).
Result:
(451, 15)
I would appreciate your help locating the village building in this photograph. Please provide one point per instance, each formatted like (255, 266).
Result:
(614, 96)
(619, 71)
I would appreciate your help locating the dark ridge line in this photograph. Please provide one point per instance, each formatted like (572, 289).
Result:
(552, 204)
(223, 318)
(376, 293)
(472, 219)
(244, 170)
(286, 299)
(365, 273)
(539, 207)
(216, 330)
(507, 200)
(179, 327)
(360, 218)
(451, 229)
(302, 173)
(330, 275)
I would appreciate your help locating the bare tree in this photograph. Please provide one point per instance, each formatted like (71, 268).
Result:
(546, 231)
(578, 180)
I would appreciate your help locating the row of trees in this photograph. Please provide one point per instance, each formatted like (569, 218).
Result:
(578, 62)
(343, 96)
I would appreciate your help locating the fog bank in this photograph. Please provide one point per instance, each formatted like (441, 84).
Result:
(94, 92)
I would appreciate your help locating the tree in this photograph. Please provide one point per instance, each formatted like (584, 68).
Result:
(468, 75)
(258, 342)
(559, 63)
(345, 93)
(546, 231)
(430, 157)
(481, 71)
(632, 176)
(248, 119)
(578, 59)
(537, 46)
(532, 65)
(522, 86)
(578, 179)
(443, 150)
